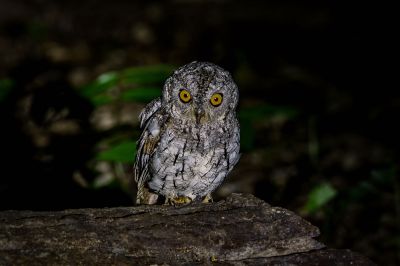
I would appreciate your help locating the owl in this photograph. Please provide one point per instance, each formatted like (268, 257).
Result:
(190, 139)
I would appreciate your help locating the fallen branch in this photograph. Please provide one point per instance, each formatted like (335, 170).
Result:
(240, 230)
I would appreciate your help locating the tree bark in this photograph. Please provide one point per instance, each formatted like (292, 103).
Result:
(241, 230)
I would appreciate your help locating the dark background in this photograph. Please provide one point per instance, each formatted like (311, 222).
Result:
(318, 110)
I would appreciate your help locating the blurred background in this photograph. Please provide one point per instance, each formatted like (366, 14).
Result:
(318, 114)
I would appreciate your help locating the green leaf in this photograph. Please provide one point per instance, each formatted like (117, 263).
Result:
(112, 83)
(383, 176)
(101, 99)
(262, 111)
(5, 87)
(101, 84)
(123, 152)
(156, 74)
(249, 114)
(145, 94)
(37, 30)
(247, 135)
(319, 196)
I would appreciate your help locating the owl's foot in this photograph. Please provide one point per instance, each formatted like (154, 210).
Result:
(178, 201)
(207, 199)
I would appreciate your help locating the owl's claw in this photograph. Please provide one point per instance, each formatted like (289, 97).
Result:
(178, 201)
(207, 199)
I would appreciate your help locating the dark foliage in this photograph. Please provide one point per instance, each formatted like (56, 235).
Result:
(318, 106)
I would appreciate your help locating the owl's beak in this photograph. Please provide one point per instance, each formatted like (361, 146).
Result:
(200, 114)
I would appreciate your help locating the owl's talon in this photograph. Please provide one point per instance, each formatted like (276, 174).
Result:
(179, 201)
(207, 199)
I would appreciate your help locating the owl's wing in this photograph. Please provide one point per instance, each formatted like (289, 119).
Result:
(150, 119)
(150, 109)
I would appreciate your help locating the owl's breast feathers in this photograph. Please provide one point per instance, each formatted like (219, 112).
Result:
(191, 161)
(181, 159)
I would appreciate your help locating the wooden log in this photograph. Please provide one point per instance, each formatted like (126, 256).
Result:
(241, 230)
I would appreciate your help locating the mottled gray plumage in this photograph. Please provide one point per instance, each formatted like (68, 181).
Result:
(187, 148)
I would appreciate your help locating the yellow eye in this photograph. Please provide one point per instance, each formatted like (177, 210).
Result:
(216, 99)
(185, 96)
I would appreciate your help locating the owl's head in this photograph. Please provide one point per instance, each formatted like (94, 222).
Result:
(200, 92)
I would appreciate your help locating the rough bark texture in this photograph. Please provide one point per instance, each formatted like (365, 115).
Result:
(242, 230)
